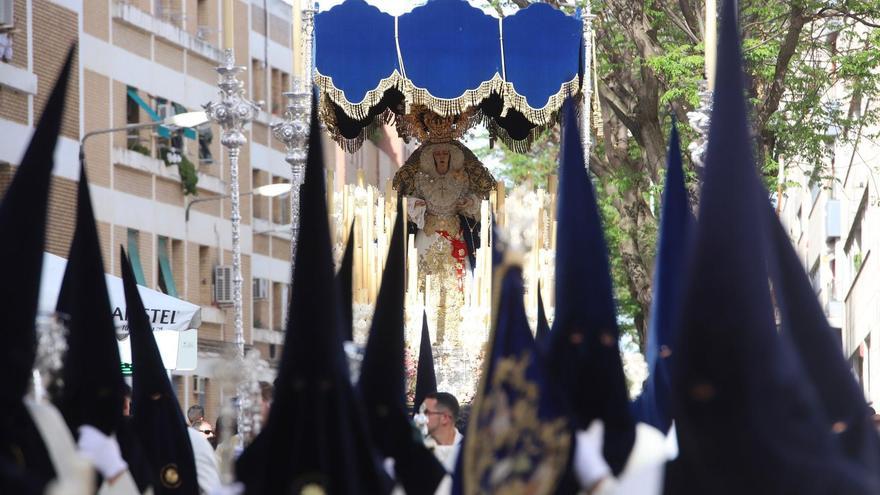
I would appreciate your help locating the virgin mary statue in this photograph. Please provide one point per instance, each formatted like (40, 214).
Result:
(444, 183)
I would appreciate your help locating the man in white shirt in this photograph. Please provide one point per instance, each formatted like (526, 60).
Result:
(206, 464)
(441, 409)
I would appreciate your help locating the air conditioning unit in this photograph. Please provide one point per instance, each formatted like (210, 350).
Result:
(6, 14)
(223, 284)
(261, 288)
(165, 110)
(198, 384)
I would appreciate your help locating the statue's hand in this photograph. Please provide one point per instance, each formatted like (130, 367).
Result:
(464, 202)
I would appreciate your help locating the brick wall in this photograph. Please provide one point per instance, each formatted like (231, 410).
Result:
(260, 133)
(169, 55)
(178, 266)
(208, 207)
(279, 30)
(19, 40)
(55, 30)
(169, 191)
(277, 315)
(96, 18)
(261, 244)
(147, 248)
(132, 181)
(105, 232)
(207, 260)
(201, 68)
(280, 249)
(96, 91)
(61, 216)
(13, 105)
(257, 19)
(133, 40)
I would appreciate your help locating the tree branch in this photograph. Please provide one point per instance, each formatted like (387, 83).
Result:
(681, 23)
(783, 60)
(617, 106)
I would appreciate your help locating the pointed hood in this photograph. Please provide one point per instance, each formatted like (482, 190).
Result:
(158, 421)
(805, 325)
(382, 382)
(93, 385)
(583, 347)
(653, 407)
(747, 419)
(517, 418)
(23, 218)
(344, 278)
(315, 434)
(426, 379)
(23, 259)
(542, 329)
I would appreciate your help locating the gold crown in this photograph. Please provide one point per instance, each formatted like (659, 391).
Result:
(430, 127)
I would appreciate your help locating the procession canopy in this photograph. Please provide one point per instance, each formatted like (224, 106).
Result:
(511, 74)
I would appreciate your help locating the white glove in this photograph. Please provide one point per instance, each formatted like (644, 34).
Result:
(233, 489)
(102, 451)
(589, 464)
(388, 464)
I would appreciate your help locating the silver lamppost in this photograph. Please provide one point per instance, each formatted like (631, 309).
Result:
(588, 81)
(293, 131)
(233, 112)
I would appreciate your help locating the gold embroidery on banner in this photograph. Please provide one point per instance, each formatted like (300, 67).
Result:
(517, 452)
(509, 448)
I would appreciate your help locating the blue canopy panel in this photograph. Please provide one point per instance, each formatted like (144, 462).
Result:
(540, 73)
(451, 56)
(355, 56)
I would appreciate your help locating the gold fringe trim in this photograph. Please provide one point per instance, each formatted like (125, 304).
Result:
(415, 95)
(518, 145)
(445, 107)
(546, 114)
(350, 145)
(360, 110)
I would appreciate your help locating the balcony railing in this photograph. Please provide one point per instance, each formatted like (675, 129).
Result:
(141, 20)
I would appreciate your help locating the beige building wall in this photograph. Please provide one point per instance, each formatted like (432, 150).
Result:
(164, 49)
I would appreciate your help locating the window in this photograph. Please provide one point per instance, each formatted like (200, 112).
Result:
(135, 256)
(815, 276)
(206, 135)
(166, 277)
(258, 79)
(132, 116)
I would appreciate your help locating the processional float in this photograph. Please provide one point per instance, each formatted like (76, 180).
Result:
(434, 74)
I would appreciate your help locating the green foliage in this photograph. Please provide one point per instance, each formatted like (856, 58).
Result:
(189, 178)
(139, 148)
(536, 165)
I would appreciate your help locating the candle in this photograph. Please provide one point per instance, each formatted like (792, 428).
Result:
(711, 42)
(296, 46)
(228, 24)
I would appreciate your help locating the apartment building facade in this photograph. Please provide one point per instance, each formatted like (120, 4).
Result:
(833, 219)
(140, 61)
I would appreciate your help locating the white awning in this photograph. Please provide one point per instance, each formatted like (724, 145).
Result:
(174, 321)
